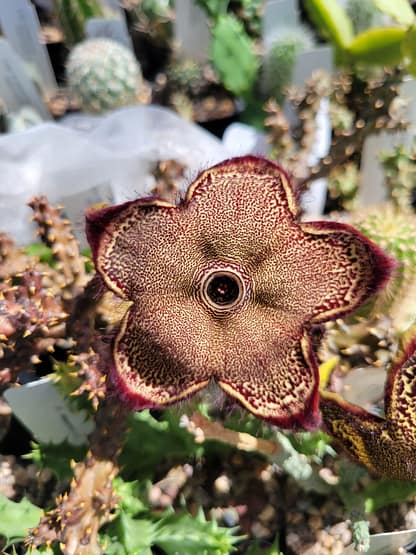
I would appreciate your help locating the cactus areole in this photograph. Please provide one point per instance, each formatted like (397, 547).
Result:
(226, 285)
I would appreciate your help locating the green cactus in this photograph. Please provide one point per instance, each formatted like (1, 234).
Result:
(332, 21)
(72, 16)
(183, 74)
(233, 56)
(103, 75)
(394, 230)
(378, 46)
(363, 14)
(343, 185)
(281, 58)
(400, 175)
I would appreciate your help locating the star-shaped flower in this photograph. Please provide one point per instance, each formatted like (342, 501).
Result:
(226, 285)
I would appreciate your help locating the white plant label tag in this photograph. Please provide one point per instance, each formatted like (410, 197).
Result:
(20, 25)
(387, 543)
(47, 415)
(373, 189)
(320, 57)
(110, 28)
(278, 14)
(16, 88)
(313, 200)
(191, 30)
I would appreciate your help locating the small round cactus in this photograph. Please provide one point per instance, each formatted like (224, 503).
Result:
(394, 230)
(103, 74)
(279, 62)
(184, 73)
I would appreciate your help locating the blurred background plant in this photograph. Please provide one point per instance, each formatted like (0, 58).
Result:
(280, 60)
(73, 16)
(103, 75)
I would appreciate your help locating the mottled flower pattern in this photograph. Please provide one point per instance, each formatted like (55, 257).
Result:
(226, 286)
(385, 445)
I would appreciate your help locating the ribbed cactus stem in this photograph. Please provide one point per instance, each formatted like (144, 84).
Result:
(395, 232)
(103, 75)
(280, 61)
(56, 232)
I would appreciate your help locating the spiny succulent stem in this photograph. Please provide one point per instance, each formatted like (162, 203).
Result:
(91, 500)
(57, 234)
(82, 318)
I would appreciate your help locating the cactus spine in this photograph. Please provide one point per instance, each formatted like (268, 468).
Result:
(394, 230)
(279, 62)
(103, 75)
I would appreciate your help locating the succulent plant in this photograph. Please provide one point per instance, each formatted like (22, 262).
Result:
(168, 174)
(72, 16)
(400, 175)
(365, 106)
(292, 145)
(280, 60)
(103, 75)
(184, 74)
(233, 55)
(343, 185)
(56, 233)
(379, 46)
(394, 230)
(363, 14)
(30, 315)
(91, 500)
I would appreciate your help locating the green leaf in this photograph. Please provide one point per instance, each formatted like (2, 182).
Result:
(41, 251)
(130, 494)
(232, 53)
(385, 492)
(248, 423)
(112, 545)
(313, 444)
(255, 549)
(213, 8)
(400, 10)
(172, 532)
(136, 535)
(381, 46)
(89, 265)
(409, 50)
(17, 518)
(41, 551)
(188, 535)
(57, 457)
(332, 21)
(150, 441)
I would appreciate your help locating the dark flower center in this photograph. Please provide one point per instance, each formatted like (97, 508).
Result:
(222, 290)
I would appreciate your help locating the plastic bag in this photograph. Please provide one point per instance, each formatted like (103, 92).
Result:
(85, 160)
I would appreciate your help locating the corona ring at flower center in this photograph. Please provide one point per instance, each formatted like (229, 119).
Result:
(223, 290)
